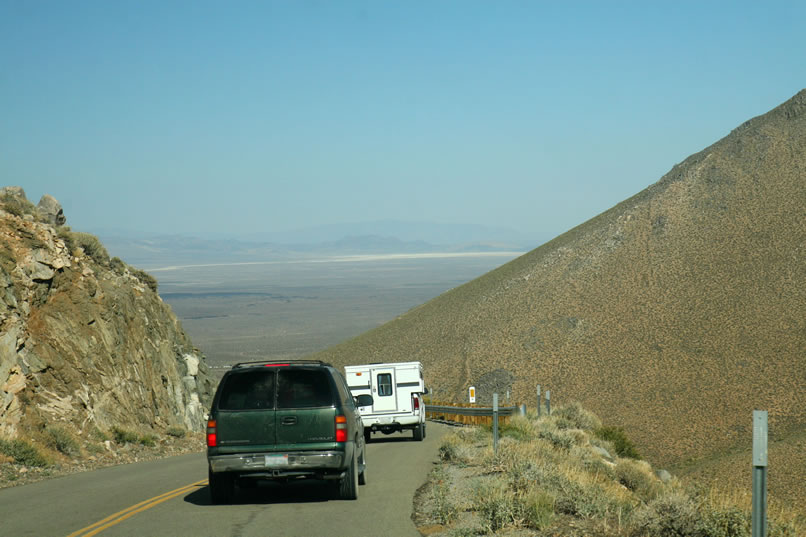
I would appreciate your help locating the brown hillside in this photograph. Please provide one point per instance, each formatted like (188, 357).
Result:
(674, 314)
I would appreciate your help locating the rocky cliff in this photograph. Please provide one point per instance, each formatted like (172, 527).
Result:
(85, 340)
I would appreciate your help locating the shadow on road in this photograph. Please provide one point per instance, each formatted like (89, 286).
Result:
(391, 438)
(272, 492)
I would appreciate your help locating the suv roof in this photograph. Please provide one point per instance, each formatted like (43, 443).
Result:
(278, 363)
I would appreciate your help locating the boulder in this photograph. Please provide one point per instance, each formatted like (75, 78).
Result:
(51, 210)
(13, 191)
(663, 475)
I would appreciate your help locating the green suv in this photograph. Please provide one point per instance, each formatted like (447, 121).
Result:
(285, 420)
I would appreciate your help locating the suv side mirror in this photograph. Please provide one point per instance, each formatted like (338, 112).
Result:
(425, 391)
(363, 400)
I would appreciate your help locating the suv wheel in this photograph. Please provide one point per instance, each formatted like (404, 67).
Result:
(222, 487)
(419, 432)
(348, 485)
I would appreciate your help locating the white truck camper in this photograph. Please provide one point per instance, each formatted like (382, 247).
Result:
(397, 391)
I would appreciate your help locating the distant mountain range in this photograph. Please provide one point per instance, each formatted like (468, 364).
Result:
(148, 250)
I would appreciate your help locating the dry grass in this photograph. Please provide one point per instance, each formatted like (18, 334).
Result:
(533, 486)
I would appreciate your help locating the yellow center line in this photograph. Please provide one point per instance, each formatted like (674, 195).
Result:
(120, 516)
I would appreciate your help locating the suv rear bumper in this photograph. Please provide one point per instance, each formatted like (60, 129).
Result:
(278, 464)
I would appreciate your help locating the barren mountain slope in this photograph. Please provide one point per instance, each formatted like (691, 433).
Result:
(674, 314)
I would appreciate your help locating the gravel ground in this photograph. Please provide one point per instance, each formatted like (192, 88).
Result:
(12, 474)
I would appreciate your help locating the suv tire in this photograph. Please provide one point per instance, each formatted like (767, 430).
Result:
(348, 485)
(419, 432)
(222, 487)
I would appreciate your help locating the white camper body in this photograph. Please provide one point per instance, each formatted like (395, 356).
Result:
(396, 389)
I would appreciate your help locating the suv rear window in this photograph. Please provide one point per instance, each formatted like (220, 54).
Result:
(303, 388)
(254, 389)
(249, 390)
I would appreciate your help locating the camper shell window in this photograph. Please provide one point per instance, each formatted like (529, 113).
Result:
(384, 384)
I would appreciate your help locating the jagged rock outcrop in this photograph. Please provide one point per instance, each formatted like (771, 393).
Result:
(51, 210)
(85, 341)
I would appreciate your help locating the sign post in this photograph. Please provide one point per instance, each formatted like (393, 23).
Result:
(539, 400)
(548, 402)
(495, 424)
(471, 394)
(759, 520)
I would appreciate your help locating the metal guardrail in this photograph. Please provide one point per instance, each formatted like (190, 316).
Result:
(471, 415)
(472, 411)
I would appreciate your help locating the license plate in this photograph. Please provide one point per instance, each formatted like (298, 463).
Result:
(277, 460)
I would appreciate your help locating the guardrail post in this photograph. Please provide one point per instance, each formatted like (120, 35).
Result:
(539, 401)
(759, 516)
(495, 424)
(548, 402)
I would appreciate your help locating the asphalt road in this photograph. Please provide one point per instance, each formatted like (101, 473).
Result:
(169, 497)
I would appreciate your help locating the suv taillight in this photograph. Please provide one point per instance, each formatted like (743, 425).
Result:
(341, 428)
(416, 402)
(212, 437)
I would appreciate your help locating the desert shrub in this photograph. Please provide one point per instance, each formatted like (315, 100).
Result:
(64, 233)
(146, 278)
(727, 522)
(94, 448)
(537, 509)
(574, 416)
(638, 477)
(17, 206)
(573, 498)
(496, 505)
(593, 462)
(148, 440)
(791, 527)
(447, 449)
(122, 436)
(98, 434)
(117, 265)
(513, 457)
(523, 476)
(92, 246)
(61, 440)
(558, 438)
(453, 449)
(473, 435)
(518, 427)
(616, 436)
(444, 511)
(673, 515)
(23, 453)
(176, 432)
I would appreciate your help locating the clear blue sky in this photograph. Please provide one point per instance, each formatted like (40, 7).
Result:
(269, 116)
